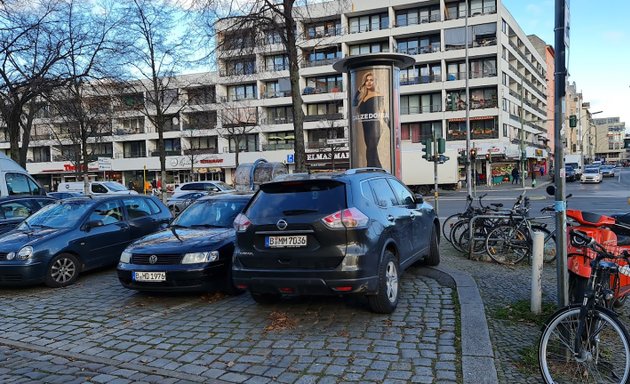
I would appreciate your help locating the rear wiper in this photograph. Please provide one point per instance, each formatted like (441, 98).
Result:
(290, 212)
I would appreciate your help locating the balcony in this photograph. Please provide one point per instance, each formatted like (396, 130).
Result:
(274, 94)
(331, 116)
(420, 50)
(421, 109)
(313, 91)
(317, 63)
(278, 146)
(456, 76)
(201, 151)
(127, 131)
(417, 21)
(360, 28)
(319, 34)
(168, 153)
(421, 80)
(277, 120)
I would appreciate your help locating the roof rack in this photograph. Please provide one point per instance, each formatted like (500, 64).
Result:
(353, 171)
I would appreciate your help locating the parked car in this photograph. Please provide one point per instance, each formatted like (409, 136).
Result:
(64, 195)
(592, 174)
(569, 173)
(333, 234)
(14, 180)
(608, 170)
(96, 188)
(74, 235)
(194, 253)
(178, 203)
(14, 209)
(202, 186)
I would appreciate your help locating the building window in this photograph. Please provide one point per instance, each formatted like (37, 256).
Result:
(483, 98)
(41, 154)
(369, 23)
(324, 84)
(280, 115)
(200, 120)
(418, 45)
(504, 26)
(478, 36)
(332, 110)
(134, 149)
(479, 129)
(456, 71)
(505, 130)
(323, 29)
(201, 95)
(413, 104)
(485, 67)
(416, 132)
(101, 150)
(273, 37)
(375, 47)
(208, 142)
(240, 67)
(277, 63)
(246, 143)
(173, 147)
(322, 56)
(421, 15)
(242, 92)
(238, 39)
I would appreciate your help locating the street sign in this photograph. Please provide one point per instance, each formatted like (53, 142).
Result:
(104, 164)
(336, 141)
(290, 158)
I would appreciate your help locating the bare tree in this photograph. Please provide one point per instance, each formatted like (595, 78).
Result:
(157, 53)
(334, 144)
(238, 122)
(262, 19)
(43, 46)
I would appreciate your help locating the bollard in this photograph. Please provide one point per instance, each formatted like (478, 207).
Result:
(537, 265)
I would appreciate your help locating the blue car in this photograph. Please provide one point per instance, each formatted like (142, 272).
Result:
(70, 236)
(193, 254)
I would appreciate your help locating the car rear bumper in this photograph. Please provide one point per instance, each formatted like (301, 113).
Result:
(180, 278)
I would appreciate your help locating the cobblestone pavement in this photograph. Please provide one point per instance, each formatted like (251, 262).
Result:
(97, 331)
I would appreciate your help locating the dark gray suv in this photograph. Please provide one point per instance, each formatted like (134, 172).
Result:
(333, 234)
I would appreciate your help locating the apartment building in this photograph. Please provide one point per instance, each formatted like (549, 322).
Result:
(608, 140)
(250, 96)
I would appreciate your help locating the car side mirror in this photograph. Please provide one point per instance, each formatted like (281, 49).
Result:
(419, 198)
(92, 224)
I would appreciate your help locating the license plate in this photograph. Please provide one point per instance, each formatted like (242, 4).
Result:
(149, 276)
(285, 241)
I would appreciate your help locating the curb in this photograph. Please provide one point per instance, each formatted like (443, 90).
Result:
(477, 353)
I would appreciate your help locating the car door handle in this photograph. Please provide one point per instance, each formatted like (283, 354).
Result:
(391, 218)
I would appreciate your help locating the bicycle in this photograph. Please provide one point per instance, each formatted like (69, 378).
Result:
(587, 343)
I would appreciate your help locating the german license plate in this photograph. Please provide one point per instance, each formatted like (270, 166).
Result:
(285, 241)
(149, 276)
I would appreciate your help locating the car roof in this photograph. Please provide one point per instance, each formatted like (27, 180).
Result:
(353, 173)
(99, 198)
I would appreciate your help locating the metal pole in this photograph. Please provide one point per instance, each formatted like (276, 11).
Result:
(538, 241)
(522, 138)
(560, 203)
(435, 171)
(469, 180)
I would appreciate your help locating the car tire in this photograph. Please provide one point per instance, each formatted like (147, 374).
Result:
(265, 298)
(386, 299)
(62, 271)
(433, 257)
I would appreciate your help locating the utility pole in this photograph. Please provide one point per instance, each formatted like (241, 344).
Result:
(469, 180)
(522, 138)
(435, 170)
(561, 39)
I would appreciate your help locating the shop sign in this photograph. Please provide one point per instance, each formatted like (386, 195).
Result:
(211, 161)
(104, 164)
(319, 156)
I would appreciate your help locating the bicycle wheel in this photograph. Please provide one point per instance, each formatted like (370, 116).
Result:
(456, 233)
(605, 354)
(448, 225)
(478, 245)
(549, 247)
(507, 245)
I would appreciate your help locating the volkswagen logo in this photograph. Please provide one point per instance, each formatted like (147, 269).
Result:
(153, 259)
(281, 224)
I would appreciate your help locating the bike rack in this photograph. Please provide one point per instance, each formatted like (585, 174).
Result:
(471, 232)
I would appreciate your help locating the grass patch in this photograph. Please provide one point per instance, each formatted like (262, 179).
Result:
(519, 311)
(529, 360)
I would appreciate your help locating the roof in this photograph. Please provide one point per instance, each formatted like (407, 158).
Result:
(229, 196)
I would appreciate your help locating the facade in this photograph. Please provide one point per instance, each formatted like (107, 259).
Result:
(250, 96)
(609, 138)
(545, 50)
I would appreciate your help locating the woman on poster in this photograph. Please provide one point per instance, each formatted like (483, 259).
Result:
(371, 112)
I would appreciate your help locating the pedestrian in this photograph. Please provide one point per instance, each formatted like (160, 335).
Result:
(514, 175)
(542, 171)
(131, 185)
(533, 178)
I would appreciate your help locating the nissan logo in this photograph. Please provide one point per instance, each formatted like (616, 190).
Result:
(153, 259)
(281, 224)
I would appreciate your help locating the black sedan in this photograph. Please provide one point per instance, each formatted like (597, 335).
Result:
(14, 209)
(193, 254)
(74, 235)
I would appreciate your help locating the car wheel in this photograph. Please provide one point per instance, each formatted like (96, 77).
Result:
(265, 298)
(433, 258)
(63, 270)
(386, 300)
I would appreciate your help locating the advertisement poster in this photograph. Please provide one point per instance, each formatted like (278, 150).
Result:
(371, 132)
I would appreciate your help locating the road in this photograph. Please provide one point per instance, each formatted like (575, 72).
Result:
(610, 196)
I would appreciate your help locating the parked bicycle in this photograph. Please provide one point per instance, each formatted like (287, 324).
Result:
(587, 343)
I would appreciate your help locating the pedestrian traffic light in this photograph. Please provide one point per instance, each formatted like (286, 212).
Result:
(572, 121)
(441, 145)
(450, 101)
(428, 154)
(473, 153)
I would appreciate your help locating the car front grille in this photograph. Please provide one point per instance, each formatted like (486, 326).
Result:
(166, 259)
(3, 256)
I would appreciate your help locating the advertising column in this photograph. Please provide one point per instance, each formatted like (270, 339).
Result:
(374, 109)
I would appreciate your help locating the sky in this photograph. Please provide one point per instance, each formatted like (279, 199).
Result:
(599, 48)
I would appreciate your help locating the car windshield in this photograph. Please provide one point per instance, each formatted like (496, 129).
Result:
(591, 170)
(210, 213)
(115, 186)
(222, 186)
(186, 196)
(65, 214)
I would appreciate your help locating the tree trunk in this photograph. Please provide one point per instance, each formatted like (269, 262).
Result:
(13, 128)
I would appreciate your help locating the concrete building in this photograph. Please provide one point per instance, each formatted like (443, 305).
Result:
(508, 83)
(546, 50)
(608, 140)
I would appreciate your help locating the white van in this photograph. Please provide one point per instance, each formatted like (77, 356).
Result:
(96, 188)
(14, 180)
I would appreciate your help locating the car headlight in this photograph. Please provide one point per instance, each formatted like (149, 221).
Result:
(25, 253)
(200, 257)
(125, 257)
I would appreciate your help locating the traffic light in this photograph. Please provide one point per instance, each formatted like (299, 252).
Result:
(450, 101)
(488, 157)
(441, 145)
(473, 153)
(428, 154)
(572, 121)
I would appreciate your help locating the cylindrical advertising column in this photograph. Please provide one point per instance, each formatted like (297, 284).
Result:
(374, 109)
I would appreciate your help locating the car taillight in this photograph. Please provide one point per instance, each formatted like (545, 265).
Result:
(347, 218)
(241, 223)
